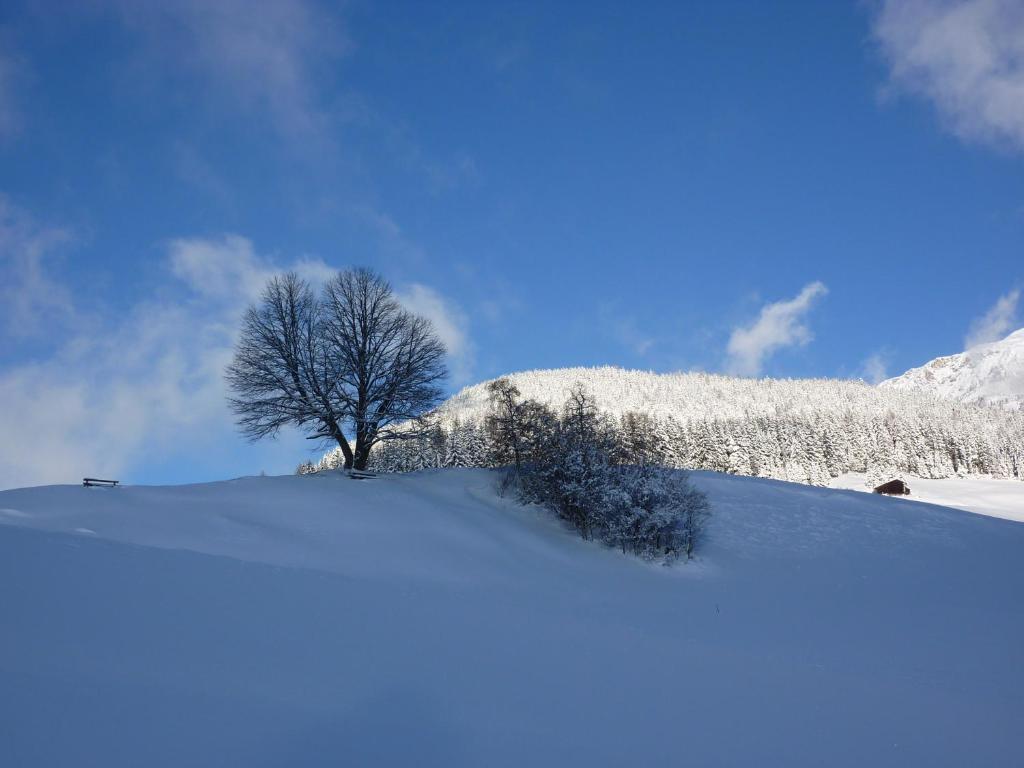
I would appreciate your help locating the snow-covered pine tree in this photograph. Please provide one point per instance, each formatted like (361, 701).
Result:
(805, 430)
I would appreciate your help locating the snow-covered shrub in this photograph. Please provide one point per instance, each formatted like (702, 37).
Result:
(580, 465)
(516, 429)
(606, 478)
(654, 511)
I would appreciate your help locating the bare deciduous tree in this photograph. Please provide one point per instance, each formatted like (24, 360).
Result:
(391, 361)
(517, 428)
(504, 424)
(352, 358)
(283, 372)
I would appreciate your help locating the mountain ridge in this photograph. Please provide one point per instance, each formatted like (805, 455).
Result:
(987, 374)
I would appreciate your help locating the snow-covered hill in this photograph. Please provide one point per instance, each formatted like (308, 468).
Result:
(982, 495)
(804, 430)
(421, 619)
(988, 373)
(686, 396)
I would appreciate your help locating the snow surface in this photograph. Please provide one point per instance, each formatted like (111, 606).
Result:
(422, 620)
(692, 395)
(995, 497)
(991, 374)
(803, 430)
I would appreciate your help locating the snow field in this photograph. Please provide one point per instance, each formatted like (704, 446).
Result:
(423, 620)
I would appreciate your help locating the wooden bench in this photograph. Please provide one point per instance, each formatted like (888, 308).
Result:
(95, 481)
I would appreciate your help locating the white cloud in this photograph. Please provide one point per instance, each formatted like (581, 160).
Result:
(104, 401)
(779, 325)
(263, 58)
(228, 268)
(148, 384)
(449, 322)
(145, 385)
(875, 368)
(31, 301)
(965, 56)
(1000, 319)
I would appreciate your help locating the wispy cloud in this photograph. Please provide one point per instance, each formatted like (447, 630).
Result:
(262, 58)
(779, 325)
(625, 329)
(228, 269)
(629, 334)
(391, 238)
(118, 392)
(875, 368)
(274, 64)
(999, 320)
(965, 56)
(449, 322)
(121, 392)
(32, 302)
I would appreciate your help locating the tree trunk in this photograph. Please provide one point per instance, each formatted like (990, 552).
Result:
(346, 450)
(362, 453)
(361, 458)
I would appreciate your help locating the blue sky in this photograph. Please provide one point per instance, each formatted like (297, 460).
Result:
(783, 189)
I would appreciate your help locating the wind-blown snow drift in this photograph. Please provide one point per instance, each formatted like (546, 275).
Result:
(420, 619)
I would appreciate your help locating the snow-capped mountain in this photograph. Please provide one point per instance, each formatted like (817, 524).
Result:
(992, 374)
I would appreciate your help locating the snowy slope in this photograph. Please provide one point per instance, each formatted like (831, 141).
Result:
(421, 620)
(988, 373)
(995, 497)
(804, 430)
(684, 396)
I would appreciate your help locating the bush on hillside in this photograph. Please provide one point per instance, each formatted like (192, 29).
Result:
(578, 464)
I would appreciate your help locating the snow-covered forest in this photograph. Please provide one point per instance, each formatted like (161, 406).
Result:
(803, 430)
